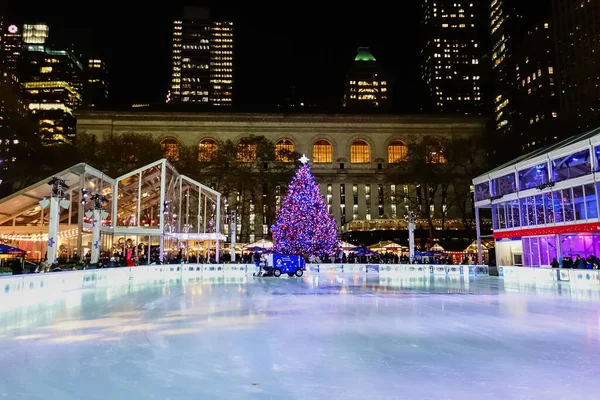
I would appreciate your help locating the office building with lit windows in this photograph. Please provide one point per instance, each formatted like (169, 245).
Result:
(521, 43)
(358, 160)
(202, 60)
(12, 106)
(96, 84)
(451, 56)
(12, 44)
(577, 36)
(536, 94)
(52, 84)
(366, 86)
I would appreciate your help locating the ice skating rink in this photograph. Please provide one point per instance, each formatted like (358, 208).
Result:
(318, 337)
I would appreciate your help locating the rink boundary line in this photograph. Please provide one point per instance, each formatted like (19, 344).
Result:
(30, 289)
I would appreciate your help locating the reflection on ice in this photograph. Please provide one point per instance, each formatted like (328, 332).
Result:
(342, 336)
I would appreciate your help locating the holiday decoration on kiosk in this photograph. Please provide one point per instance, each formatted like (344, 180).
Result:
(304, 227)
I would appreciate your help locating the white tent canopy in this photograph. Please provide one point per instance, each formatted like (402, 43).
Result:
(265, 244)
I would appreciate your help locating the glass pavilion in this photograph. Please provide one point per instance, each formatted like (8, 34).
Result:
(151, 213)
(545, 204)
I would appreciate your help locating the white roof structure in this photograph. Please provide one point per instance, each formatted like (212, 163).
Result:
(154, 200)
(22, 208)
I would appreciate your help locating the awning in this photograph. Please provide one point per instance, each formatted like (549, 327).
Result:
(9, 250)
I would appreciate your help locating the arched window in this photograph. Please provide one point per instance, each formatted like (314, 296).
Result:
(435, 153)
(207, 150)
(360, 152)
(246, 151)
(283, 150)
(397, 152)
(170, 148)
(322, 151)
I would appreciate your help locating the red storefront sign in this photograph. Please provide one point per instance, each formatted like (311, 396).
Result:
(554, 230)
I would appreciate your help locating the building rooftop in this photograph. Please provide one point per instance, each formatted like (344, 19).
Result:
(364, 54)
(524, 159)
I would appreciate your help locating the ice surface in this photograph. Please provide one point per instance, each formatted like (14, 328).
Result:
(320, 337)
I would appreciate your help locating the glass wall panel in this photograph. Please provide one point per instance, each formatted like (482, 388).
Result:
(572, 166)
(523, 212)
(531, 220)
(544, 251)
(509, 216)
(190, 208)
(504, 185)
(539, 209)
(558, 207)
(495, 216)
(501, 216)
(591, 201)
(171, 205)
(535, 252)
(579, 203)
(127, 202)
(552, 254)
(534, 176)
(526, 252)
(568, 205)
(107, 192)
(150, 198)
(582, 245)
(549, 208)
(515, 213)
(597, 155)
(482, 191)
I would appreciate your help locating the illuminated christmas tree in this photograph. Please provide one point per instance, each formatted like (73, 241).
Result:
(304, 227)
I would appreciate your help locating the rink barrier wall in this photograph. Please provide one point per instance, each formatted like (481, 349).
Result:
(577, 277)
(19, 290)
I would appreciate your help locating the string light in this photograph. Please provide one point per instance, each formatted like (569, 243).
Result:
(555, 230)
(304, 227)
(39, 237)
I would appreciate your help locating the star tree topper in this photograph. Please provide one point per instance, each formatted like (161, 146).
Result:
(304, 159)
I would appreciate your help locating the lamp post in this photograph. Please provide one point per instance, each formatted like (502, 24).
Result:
(233, 230)
(410, 218)
(57, 200)
(97, 215)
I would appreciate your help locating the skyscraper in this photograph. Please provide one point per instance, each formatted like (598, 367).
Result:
(366, 86)
(521, 51)
(536, 90)
(577, 30)
(221, 63)
(35, 34)
(202, 59)
(12, 45)
(451, 56)
(96, 84)
(52, 86)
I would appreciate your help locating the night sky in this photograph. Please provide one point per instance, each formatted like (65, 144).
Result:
(310, 47)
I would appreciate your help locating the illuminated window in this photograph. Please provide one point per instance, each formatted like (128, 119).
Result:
(397, 152)
(246, 151)
(360, 152)
(435, 153)
(170, 148)
(45, 70)
(207, 150)
(283, 150)
(322, 151)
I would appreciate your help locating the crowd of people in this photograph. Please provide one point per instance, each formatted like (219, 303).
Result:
(591, 262)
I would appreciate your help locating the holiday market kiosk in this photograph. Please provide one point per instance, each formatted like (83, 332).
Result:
(74, 213)
(545, 204)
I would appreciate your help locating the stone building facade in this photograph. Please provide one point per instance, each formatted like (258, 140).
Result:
(353, 157)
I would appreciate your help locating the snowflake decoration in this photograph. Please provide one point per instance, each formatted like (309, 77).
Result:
(51, 242)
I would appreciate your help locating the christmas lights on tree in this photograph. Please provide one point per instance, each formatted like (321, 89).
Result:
(304, 227)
